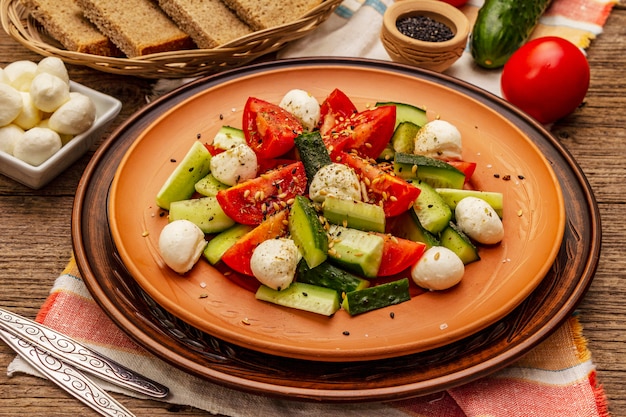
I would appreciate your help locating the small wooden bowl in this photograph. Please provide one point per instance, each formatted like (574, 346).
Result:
(436, 56)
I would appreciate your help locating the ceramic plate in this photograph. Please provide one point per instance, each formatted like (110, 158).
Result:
(455, 363)
(507, 161)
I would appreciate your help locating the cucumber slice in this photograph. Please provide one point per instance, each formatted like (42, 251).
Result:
(224, 240)
(307, 231)
(380, 296)
(407, 113)
(209, 186)
(302, 296)
(452, 196)
(403, 139)
(458, 242)
(354, 214)
(408, 226)
(329, 276)
(355, 250)
(180, 185)
(433, 171)
(431, 210)
(205, 212)
(313, 153)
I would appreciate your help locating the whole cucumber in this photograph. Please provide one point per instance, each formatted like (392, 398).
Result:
(501, 27)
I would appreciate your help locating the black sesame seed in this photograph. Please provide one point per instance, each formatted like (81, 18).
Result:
(424, 28)
(346, 333)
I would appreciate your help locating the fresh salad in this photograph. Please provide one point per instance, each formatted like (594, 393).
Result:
(327, 207)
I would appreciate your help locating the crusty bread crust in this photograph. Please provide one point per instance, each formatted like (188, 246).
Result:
(264, 14)
(64, 21)
(137, 27)
(209, 22)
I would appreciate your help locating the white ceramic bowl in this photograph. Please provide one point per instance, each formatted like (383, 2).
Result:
(107, 108)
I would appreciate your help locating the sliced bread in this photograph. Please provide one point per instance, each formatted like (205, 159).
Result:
(209, 22)
(264, 14)
(64, 21)
(137, 27)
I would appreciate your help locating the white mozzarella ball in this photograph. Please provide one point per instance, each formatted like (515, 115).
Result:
(477, 219)
(337, 180)
(274, 262)
(75, 116)
(37, 145)
(10, 104)
(20, 74)
(302, 105)
(438, 269)
(49, 92)
(55, 66)
(181, 244)
(9, 136)
(439, 139)
(234, 165)
(30, 115)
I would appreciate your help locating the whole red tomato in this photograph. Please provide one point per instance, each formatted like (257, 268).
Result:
(547, 78)
(456, 3)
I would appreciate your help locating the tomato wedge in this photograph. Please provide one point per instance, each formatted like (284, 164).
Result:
(398, 254)
(367, 132)
(393, 193)
(238, 256)
(336, 107)
(268, 128)
(251, 201)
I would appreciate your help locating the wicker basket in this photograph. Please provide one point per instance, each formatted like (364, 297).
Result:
(17, 22)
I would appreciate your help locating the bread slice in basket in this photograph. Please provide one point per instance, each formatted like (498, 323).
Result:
(64, 21)
(137, 27)
(264, 14)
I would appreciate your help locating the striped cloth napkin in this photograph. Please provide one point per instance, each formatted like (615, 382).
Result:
(557, 378)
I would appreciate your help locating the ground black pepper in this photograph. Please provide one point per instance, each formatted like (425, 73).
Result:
(424, 28)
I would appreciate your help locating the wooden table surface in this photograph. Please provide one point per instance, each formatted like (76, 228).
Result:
(35, 227)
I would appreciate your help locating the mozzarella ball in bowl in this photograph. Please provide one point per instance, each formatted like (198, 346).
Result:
(37, 145)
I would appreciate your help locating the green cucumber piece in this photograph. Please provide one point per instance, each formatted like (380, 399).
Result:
(354, 214)
(431, 210)
(209, 186)
(329, 276)
(406, 113)
(452, 197)
(438, 174)
(355, 250)
(501, 27)
(403, 139)
(228, 137)
(180, 185)
(313, 153)
(204, 212)
(380, 296)
(458, 242)
(223, 241)
(307, 231)
(302, 296)
(408, 226)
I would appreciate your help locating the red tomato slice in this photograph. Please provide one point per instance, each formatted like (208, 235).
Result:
(368, 132)
(251, 201)
(336, 107)
(238, 256)
(394, 193)
(268, 128)
(399, 254)
(467, 168)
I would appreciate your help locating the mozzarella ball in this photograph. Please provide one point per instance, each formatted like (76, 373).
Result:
(20, 74)
(181, 244)
(274, 262)
(37, 145)
(75, 116)
(30, 115)
(477, 219)
(9, 136)
(49, 92)
(10, 104)
(65, 138)
(234, 165)
(304, 106)
(438, 269)
(337, 180)
(439, 139)
(226, 141)
(55, 66)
